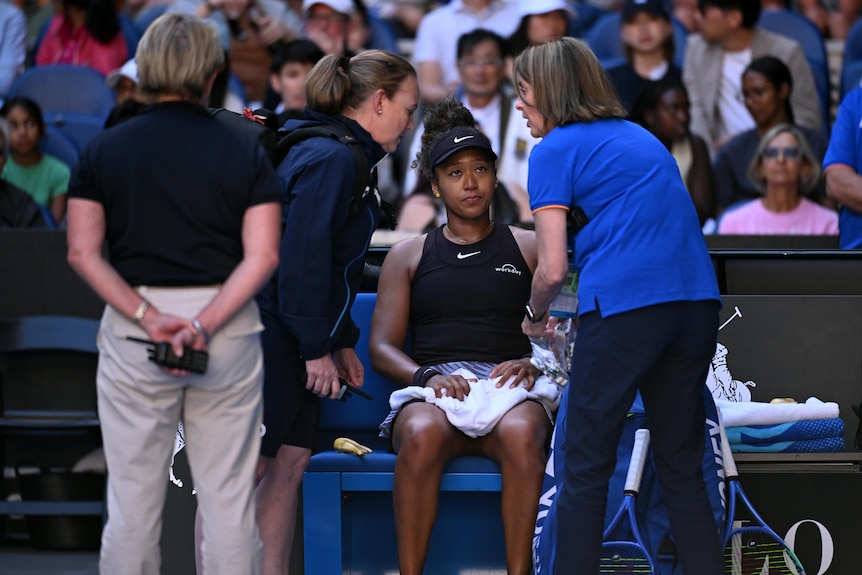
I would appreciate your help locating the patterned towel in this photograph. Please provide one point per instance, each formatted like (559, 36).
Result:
(828, 444)
(790, 431)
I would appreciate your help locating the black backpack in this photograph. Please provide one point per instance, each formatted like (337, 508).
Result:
(262, 125)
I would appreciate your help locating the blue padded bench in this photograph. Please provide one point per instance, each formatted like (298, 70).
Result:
(332, 477)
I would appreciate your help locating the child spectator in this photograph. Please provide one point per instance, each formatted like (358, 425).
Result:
(784, 168)
(17, 208)
(84, 33)
(647, 36)
(42, 176)
(290, 65)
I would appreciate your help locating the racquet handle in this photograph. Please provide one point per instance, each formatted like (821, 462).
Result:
(638, 461)
(726, 454)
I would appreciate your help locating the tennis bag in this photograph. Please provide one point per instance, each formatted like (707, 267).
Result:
(651, 512)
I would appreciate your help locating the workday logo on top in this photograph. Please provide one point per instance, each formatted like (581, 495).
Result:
(508, 269)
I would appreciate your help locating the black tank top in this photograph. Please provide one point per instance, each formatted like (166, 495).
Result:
(467, 301)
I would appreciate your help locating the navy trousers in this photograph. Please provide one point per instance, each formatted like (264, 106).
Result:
(664, 351)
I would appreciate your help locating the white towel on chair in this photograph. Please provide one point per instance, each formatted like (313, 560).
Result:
(735, 413)
(484, 405)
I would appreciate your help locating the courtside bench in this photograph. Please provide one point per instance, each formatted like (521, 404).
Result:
(333, 481)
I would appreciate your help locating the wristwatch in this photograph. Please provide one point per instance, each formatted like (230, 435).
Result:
(533, 316)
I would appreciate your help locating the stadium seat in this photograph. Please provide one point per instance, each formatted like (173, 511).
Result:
(853, 43)
(851, 64)
(48, 402)
(61, 146)
(382, 34)
(851, 77)
(63, 88)
(145, 18)
(79, 128)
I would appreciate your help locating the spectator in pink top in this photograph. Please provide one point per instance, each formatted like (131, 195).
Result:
(785, 169)
(84, 33)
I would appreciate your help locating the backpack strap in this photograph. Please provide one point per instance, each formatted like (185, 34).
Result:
(336, 132)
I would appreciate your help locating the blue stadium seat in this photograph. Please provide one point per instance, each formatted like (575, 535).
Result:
(144, 19)
(345, 491)
(79, 128)
(851, 65)
(851, 76)
(382, 34)
(131, 33)
(61, 146)
(853, 43)
(63, 88)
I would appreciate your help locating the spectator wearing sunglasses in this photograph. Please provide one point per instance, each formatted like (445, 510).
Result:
(767, 85)
(785, 169)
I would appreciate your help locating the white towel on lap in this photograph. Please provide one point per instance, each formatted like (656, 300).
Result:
(484, 405)
(756, 413)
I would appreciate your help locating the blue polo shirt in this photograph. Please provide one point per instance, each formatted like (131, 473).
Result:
(643, 244)
(845, 147)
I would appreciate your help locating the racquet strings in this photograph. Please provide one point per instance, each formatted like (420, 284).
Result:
(754, 551)
(624, 557)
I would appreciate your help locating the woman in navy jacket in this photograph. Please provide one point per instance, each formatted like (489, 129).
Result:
(309, 336)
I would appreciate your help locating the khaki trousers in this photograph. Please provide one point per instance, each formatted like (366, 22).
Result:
(140, 407)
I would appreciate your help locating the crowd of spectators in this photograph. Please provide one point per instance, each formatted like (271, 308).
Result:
(271, 44)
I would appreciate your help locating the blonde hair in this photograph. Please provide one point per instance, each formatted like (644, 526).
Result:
(808, 182)
(569, 85)
(337, 83)
(177, 56)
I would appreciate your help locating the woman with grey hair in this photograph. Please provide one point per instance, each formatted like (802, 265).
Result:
(190, 212)
(784, 169)
(648, 299)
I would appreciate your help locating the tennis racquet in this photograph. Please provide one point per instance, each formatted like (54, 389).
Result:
(754, 549)
(628, 556)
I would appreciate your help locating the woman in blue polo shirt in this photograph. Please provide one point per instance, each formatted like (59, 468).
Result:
(648, 297)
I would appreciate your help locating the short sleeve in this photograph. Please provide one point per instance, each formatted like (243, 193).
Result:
(842, 147)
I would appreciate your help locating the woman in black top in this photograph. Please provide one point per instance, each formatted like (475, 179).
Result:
(460, 291)
(189, 210)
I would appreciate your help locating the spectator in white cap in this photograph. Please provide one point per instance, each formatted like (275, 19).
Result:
(541, 20)
(124, 82)
(327, 24)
